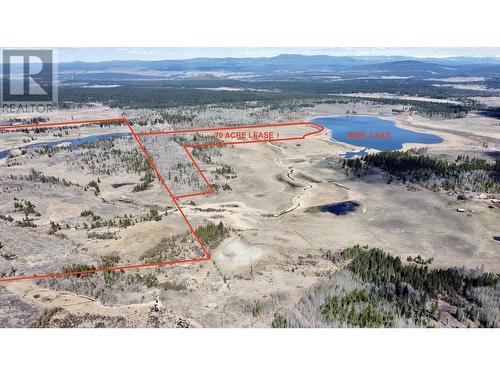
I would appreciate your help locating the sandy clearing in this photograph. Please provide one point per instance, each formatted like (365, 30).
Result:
(235, 255)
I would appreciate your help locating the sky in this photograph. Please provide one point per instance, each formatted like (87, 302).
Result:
(107, 54)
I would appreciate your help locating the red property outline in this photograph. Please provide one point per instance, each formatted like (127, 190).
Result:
(174, 198)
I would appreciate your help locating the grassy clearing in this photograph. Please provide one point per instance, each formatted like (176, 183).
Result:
(286, 181)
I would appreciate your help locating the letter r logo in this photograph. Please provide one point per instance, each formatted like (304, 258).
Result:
(28, 76)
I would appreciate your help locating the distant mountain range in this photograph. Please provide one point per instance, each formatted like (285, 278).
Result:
(282, 64)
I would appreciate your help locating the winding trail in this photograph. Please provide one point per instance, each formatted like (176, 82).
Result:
(297, 199)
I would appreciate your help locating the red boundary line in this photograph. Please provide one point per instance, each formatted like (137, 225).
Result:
(160, 177)
(210, 187)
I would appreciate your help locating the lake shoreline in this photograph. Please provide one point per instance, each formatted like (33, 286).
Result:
(385, 134)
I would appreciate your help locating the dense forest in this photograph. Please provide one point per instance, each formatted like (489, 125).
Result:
(376, 289)
(273, 92)
(147, 95)
(413, 166)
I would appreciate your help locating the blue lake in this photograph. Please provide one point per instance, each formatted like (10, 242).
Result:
(72, 142)
(372, 132)
(340, 208)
